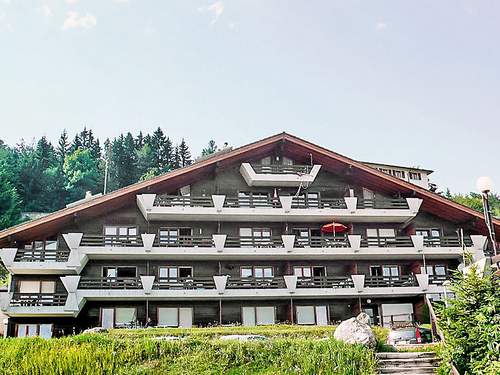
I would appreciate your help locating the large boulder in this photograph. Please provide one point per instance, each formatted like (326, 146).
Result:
(356, 331)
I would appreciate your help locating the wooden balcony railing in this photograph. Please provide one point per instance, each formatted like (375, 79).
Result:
(41, 255)
(281, 169)
(107, 240)
(325, 282)
(390, 281)
(185, 283)
(446, 241)
(183, 201)
(110, 283)
(333, 203)
(184, 241)
(399, 241)
(438, 279)
(252, 241)
(383, 203)
(255, 283)
(38, 299)
(318, 241)
(252, 202)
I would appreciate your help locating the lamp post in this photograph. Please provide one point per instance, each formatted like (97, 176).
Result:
(446, 284)
(485, 185)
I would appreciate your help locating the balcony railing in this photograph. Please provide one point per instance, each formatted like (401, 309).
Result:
(438, 279)
(183, 201)
(448, 241)
(184, 241)
(318, 241)
(107, 240)
(253, 241)
(383, 203)
(333, 203)
(110, 283)
(281, 169)
(38, 299)
(185, 283)
(41, 255)
(400, 241)
(325, 282)
(255, 283)
(390, 281)
(252, 202)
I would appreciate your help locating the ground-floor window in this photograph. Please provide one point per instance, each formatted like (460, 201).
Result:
(30, 330)
(175, 317)
(312, 315)
(258, 315)
(118, 317)
(394, 314)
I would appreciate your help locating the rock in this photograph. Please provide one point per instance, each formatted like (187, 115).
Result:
(356, 331)
(96, 330)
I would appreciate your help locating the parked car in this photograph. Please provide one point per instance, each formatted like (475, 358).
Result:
(409, 335)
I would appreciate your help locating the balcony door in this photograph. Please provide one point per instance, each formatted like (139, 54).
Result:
(309, 271)
(255, 237)
(312, 315)
(120, 235)
(175, 317)
(119, 272)
(107, 318)
(37, 287)
(175, 236)
(380, 237)
(387, 272)
(175, 272)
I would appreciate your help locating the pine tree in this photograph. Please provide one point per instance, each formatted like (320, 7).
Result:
(62, 148)
(129, 161)
(76, 144)
(177, 158)
(157, 144)
(168, 156)
(212, 148)
(44, 154)
(184, 154)
(139, 141)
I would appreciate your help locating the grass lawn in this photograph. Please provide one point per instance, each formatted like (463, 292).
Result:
(290, 350)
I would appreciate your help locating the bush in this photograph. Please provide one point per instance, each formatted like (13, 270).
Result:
(471, 325)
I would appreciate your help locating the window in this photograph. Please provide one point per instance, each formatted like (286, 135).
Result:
(385, 170)
(438, 270)
(125, 316)
(308, 271)
(415, 176)
(41, 245)
(384, 270)
(175, 317)
(175, 236)
(257, 272)
(286, 161)
(380, 237)
(259, 315)
(119, 235)
(174, 272)
(113, 272)
(428, 232)
(30, 330)
(37, 286)
(310, 315)
(309, 199)
(255, 237)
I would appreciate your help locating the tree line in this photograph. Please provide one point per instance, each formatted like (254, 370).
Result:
(42, 177)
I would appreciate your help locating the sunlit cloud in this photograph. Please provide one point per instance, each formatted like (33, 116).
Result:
(76, 21)
(46, 10)
(380, 26)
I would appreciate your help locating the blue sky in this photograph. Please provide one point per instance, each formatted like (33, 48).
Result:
(402, 82)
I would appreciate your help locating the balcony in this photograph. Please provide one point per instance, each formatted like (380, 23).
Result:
(278, 175)
(83, 247)
(390, 281)
(38, 299)
(187, 283)
(325, 282)
(110, 283)
(277, 209)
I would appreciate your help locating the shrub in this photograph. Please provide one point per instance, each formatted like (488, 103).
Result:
(471, 325)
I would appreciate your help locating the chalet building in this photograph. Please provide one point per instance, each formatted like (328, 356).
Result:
(280, 230)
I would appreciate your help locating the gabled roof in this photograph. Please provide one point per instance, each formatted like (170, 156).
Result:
(290, 145)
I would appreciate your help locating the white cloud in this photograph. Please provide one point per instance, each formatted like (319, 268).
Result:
(216, 9)
(76, 21)
(380, 26)
(72, 1)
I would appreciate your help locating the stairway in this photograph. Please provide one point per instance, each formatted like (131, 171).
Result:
(406, 363)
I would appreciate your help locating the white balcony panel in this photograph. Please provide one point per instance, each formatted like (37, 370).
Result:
(278, 179)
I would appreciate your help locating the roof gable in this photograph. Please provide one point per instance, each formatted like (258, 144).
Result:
(291, 146)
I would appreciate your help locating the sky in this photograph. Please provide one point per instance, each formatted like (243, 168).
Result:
(415, 83)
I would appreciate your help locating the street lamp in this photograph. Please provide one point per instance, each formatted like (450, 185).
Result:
(446, 284)
(485, 185)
